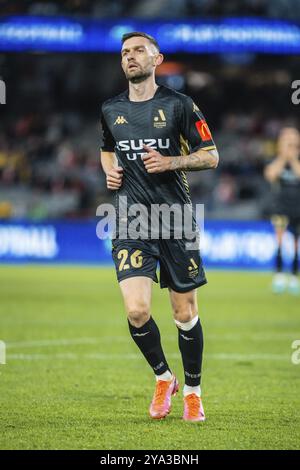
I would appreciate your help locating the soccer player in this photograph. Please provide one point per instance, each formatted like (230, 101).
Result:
(152, 135)
(284, 175)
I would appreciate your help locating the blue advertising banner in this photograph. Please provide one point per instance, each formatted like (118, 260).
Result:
(224, 244)
(228, 35)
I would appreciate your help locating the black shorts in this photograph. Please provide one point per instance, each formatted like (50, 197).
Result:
(287, 221)
(180, 269)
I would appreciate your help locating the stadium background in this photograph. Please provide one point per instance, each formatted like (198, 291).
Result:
(59, 62)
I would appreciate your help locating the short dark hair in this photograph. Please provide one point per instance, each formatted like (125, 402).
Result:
(134, 34)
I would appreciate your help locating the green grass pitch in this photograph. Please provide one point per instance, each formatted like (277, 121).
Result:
(75, 380)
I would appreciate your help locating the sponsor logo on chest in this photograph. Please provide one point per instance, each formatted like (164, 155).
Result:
(135, 146)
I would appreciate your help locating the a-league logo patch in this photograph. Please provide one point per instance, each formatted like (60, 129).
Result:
(160, 120)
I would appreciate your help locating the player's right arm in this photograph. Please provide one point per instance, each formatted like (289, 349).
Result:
(114, 173)
(109, 162)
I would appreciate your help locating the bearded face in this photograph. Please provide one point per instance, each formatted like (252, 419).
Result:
(137, 73)
(138, 59)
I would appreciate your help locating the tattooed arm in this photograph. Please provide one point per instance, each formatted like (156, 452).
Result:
(200, 160)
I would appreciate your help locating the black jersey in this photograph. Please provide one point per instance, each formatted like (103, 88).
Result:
(171, 123)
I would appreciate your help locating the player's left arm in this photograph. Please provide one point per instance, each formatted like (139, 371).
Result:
(196, 161)
(195, 133)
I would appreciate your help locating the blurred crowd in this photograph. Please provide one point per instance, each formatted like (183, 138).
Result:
(288, 9)
(49, 167)
(50, 127)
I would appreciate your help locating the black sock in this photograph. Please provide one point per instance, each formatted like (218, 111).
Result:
(279, 260)
(295, 265)
(147, 339)
(191, 348)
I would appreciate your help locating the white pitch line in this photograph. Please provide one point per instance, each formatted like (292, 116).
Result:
(110, 357)
(51, 342)
(121, 339)
(250, 357)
